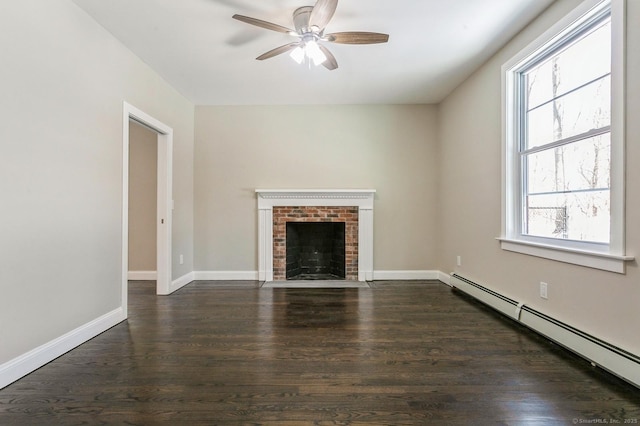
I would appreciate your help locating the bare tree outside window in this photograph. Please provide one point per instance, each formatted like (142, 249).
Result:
(566, 154)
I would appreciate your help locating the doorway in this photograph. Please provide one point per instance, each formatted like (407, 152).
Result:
(143, 184)
(164, 203)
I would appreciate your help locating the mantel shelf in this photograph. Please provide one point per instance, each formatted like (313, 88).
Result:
(315, 193)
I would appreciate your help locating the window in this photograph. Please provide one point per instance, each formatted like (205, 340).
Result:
(563, 141)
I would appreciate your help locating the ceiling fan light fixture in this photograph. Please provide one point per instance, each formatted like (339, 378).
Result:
(298, 54)
(310, 23)
(314, 53)
(308, 52)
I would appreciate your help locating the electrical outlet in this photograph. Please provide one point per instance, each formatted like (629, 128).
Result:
(181, 259)
(543, 290)
(459, 261)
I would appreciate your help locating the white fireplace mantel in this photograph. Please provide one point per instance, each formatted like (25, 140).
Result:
(361, 198)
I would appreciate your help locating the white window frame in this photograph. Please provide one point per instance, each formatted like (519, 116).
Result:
(609, 257)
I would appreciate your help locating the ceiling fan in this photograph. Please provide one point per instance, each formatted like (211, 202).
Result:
(309, 23)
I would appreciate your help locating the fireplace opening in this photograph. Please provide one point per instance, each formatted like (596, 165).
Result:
(315, 251)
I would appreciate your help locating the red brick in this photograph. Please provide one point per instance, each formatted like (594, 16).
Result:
(284, 214)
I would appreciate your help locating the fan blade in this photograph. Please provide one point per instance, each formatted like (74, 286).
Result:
(322, 13)
(331, 63)
(357, 37)
(278, 51)
(263, 24)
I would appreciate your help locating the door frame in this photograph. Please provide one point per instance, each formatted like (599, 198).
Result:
(164, 198)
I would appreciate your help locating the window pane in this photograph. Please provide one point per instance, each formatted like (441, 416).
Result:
(581, 165)
(581, 216)
(558, 143)
(575, 113)
(585, 60)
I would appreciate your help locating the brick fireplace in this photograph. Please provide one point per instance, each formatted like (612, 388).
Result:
(354, 208)
(310, 214)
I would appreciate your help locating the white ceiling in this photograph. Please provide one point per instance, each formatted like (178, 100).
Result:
(209, 57)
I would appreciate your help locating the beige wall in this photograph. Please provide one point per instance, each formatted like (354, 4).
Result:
(388, 148)
(143, 188)
(601, 303)
(64, 82)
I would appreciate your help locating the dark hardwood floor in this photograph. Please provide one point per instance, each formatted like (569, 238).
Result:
(398, 353)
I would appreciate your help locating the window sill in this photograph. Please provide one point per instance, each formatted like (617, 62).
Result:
(604, 261)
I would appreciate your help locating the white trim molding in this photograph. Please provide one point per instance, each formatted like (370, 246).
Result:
(406, 275)
(609, 256)
(596, 260)
(270, 198)
(377, 275)
(26, 363)
(142, 275)
(181, 282)
(226, 275)
(444, 278)
(164, 198)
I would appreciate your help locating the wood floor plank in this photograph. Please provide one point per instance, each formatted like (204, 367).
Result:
(398, 353)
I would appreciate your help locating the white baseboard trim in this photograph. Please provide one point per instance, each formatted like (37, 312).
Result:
(377, 275)
(226, 275)
(405, 275)
(445, 278)
(142, 275)
(178, 283)
(24, 364)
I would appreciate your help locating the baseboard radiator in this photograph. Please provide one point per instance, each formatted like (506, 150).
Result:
(608, 357)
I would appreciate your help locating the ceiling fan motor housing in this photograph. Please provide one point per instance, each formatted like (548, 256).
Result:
(301, 19)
